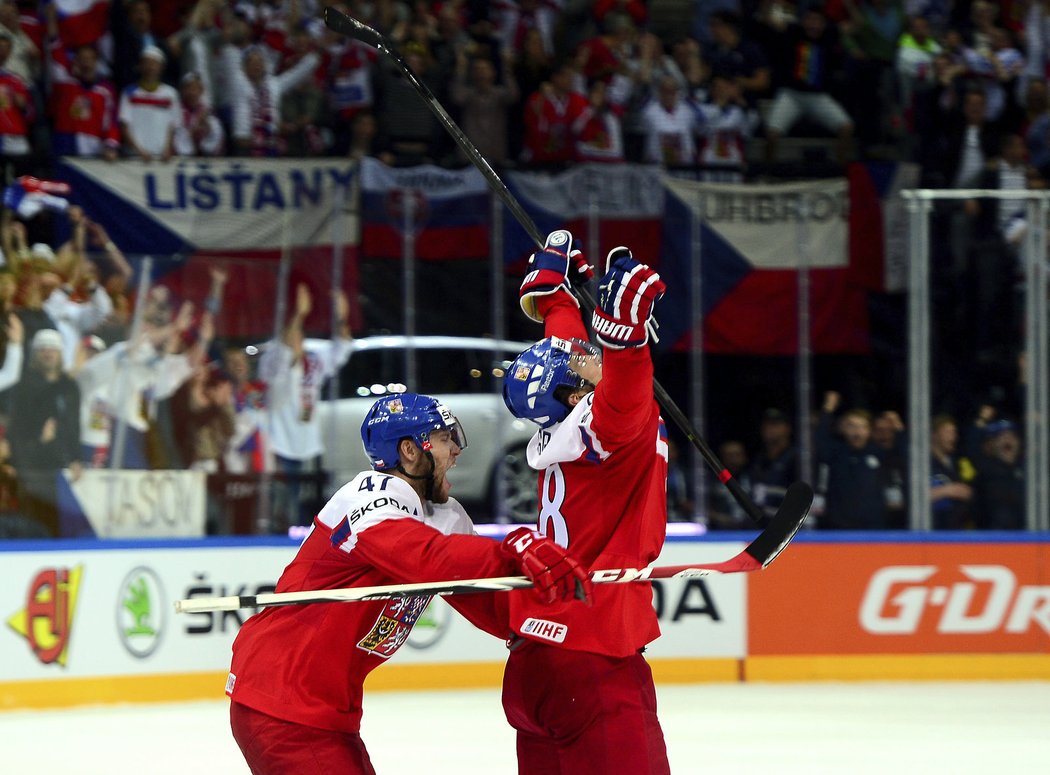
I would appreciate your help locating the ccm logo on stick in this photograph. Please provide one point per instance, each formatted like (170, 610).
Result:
(898, 596)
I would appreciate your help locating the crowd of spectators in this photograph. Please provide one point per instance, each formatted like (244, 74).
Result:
(715, 87)
(862, 477)
(91, 381)
(533, 82)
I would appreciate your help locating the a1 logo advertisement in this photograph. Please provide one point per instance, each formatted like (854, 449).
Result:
(140, 612)
(46, 622)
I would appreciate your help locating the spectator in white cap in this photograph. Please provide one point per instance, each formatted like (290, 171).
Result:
(149, 110)
(37, 278)
(44, 429)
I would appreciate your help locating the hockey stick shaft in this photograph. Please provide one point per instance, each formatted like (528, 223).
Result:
(743, 562)
(757, 555)
(343, 24)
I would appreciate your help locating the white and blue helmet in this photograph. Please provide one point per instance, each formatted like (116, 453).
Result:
(534, 376)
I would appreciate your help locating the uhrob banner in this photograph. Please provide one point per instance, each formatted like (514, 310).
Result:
(212, 205)
(750, 242)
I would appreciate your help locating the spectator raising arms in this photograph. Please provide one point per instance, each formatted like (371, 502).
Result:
(549, 117)
(82, 104)
(294, 371)
(484, 100)
(851, 465)
(256, 97)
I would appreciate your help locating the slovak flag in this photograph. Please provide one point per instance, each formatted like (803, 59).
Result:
(81, 22)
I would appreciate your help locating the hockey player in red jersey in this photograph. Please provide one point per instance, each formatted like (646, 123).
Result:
(297, 673)
(576, 687)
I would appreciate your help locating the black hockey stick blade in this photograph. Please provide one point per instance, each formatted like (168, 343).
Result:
(338, 21)
(785, 523)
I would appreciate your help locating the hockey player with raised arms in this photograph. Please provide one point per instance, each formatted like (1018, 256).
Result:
(576, 687)
(297, 673)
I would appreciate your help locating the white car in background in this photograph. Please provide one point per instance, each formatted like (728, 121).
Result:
(466, 374)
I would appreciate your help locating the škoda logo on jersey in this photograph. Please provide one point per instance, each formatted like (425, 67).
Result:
(964, 600)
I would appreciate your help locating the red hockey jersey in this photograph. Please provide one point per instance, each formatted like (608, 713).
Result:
(307, 663)
(84, 115)
(548, 126)
(603, 495)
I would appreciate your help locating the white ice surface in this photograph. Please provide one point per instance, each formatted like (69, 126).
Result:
(846, 729)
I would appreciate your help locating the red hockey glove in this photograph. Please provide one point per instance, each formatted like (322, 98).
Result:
(554, 268)
(555, 575)
(626, 296)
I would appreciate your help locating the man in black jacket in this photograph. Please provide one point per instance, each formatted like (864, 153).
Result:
(44, 429)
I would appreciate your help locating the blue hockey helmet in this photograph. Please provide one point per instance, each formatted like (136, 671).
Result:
(531, 381)
(405, 415)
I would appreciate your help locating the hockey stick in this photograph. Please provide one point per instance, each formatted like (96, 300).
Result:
(756, 556)
(345, 25)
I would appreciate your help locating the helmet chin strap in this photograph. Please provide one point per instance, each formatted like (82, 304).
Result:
(428, 491)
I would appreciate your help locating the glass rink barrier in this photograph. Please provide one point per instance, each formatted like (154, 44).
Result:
(883, 343)
(150, 413)
(977, 359)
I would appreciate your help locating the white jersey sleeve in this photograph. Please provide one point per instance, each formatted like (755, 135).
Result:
(568, 440)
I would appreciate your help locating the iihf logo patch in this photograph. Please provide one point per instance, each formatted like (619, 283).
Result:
(542, 628)
(521, 373)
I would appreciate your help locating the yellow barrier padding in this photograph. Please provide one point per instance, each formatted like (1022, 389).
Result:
(184, 687)
(69, 692)
(899, 667)
(452, 675)
(696, 671)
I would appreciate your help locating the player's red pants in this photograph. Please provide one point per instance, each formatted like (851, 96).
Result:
(578, 713)
(275, 747)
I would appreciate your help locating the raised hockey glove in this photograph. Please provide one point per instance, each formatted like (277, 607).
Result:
(554, 574)
(554, 268)
(626, 296)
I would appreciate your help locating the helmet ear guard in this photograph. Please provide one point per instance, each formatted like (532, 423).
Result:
(531, 385)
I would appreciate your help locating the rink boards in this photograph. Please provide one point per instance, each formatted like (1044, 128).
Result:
(93, 621)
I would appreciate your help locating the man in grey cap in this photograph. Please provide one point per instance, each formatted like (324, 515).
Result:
(44, 429)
